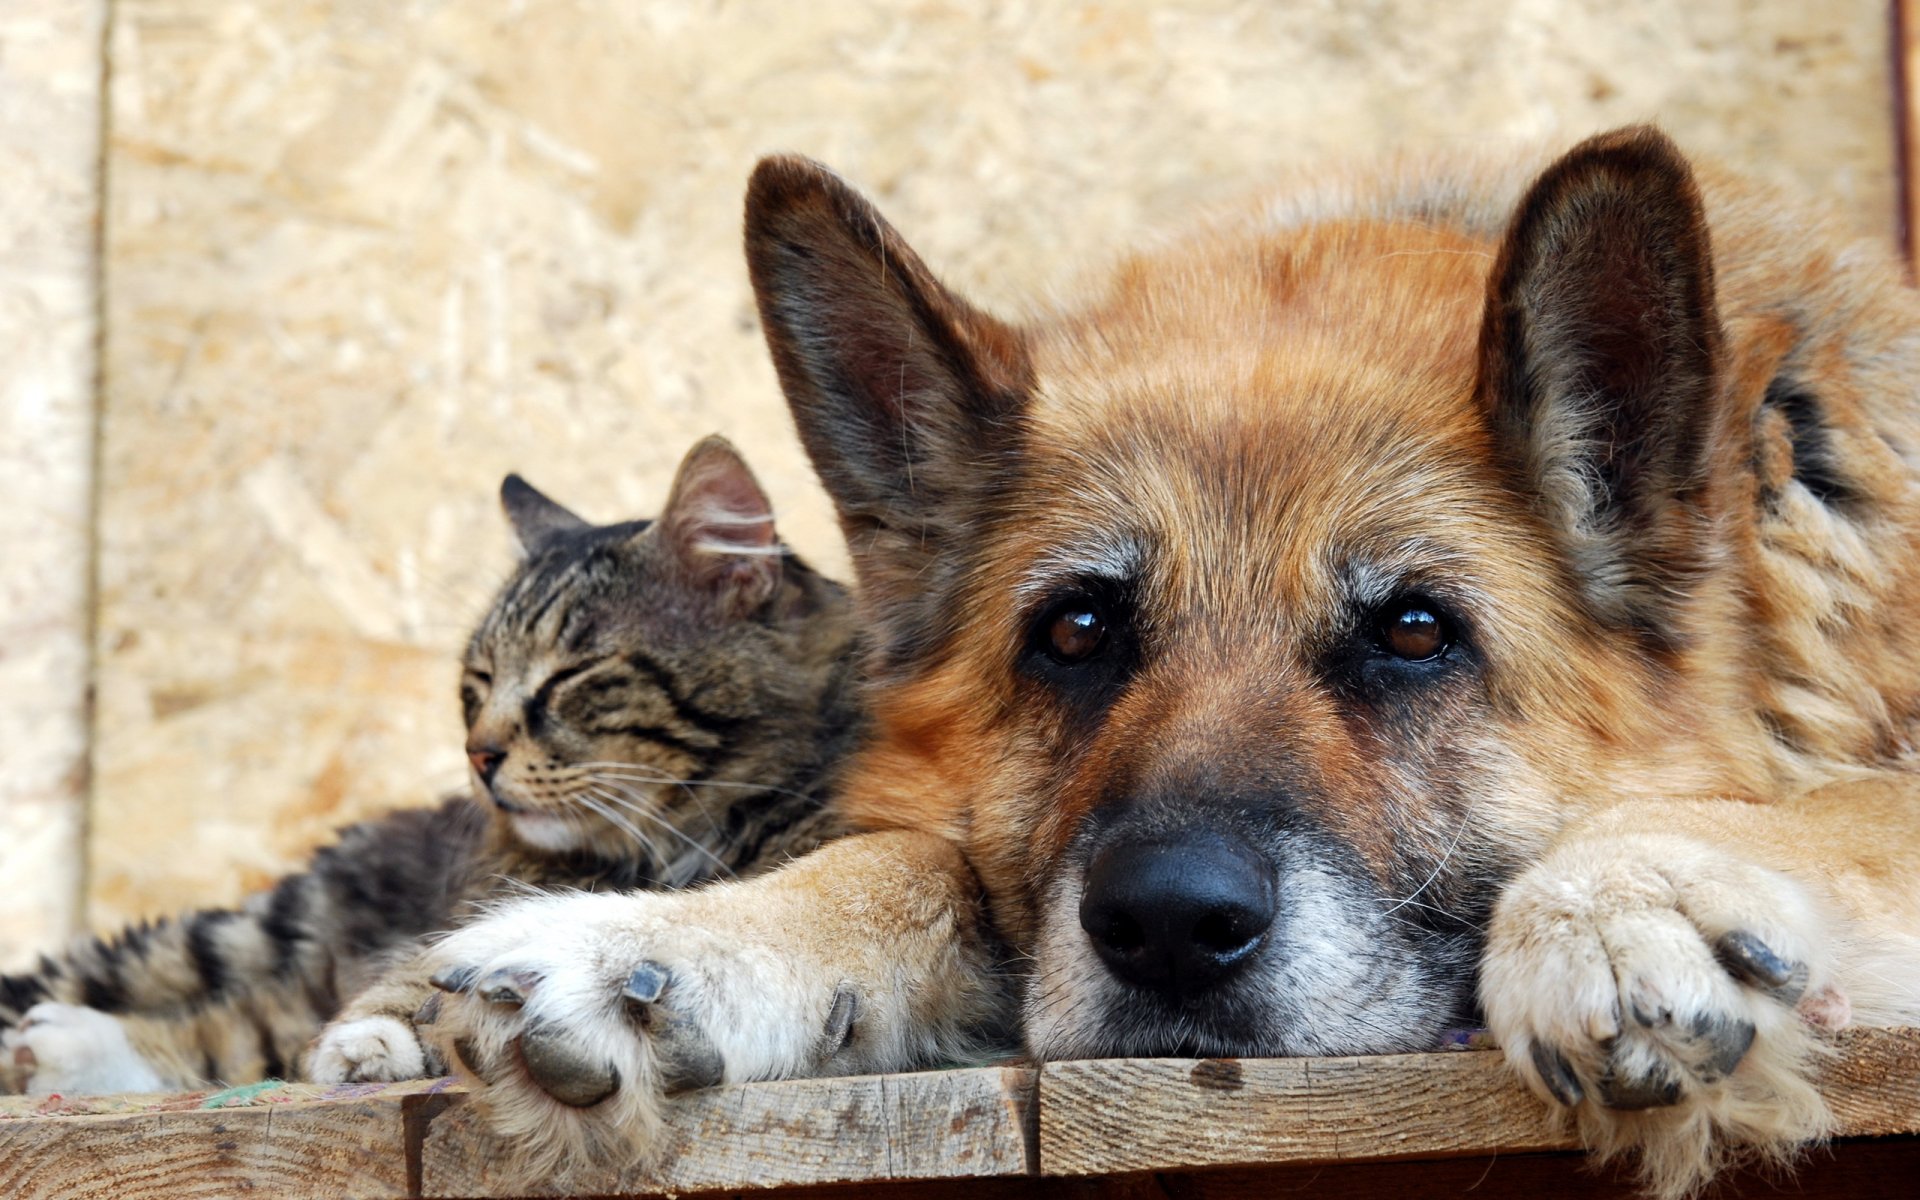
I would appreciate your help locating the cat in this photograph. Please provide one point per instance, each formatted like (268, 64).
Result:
(648, 704)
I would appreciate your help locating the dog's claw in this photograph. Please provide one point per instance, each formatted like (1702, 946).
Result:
(506, 987)
(840, 1018)
(1651, 1017)
(1558, 1075)
(454, 979)
(646, 984)
(557, 1065)
(688, 1057)
(1624, 1092)
(429, 1010)
(1728, 1042)
(1752, 961)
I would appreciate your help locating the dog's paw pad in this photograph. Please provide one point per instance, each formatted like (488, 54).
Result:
(561, 1068)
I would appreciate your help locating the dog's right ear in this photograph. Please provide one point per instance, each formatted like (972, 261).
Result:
(908, 399)
(1600, 358)
(533, 516)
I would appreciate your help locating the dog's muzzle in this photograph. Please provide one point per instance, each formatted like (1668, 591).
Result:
(1178, 913)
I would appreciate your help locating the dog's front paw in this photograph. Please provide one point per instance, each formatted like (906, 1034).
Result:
(1663, 989)
(367, 1050)
(575, 1016)
(72, 1050)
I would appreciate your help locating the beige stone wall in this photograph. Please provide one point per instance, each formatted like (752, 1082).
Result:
(365, 256)
(50, 61)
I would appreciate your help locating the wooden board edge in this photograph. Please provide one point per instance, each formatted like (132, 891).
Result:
(1135, 1115)
(971, 1123)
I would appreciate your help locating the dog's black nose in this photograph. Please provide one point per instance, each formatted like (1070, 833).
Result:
(1177, 914)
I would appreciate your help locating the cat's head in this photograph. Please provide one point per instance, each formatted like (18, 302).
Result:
(627, 674)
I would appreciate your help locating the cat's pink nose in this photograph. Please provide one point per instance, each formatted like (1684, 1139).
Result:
(486, 760)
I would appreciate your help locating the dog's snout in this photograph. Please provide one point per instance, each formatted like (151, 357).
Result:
(1177, 914)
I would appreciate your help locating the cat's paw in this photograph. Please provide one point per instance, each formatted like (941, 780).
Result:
(1662, 989)
(367, 1050)
(575, 1016)
(71, 1050)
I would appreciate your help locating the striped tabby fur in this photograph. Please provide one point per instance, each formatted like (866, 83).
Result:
(648, 704)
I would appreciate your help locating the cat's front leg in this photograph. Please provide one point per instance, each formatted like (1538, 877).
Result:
(575, 1016)
(377, 1037)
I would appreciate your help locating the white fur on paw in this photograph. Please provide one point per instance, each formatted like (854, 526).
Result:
(367, 1050)
(71, 1050)
(613, 1002)
(1649, 982)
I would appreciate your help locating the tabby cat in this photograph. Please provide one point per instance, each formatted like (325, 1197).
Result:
(648, 704)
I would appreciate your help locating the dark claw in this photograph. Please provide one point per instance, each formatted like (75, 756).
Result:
(1649, 1020)
(647, 983)
(1557, 1073)
(1752, 961)
(467, 1055)
(506, 987)
(429, 1010)
(688, 1057)
(1728, 1043)
(555, 1063)
(840, 1018)
(1656, 1089)
(455, 979)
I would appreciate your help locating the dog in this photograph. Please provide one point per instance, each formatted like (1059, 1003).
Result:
(1456, 591)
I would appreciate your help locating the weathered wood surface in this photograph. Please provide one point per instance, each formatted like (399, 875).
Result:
(1112, 1117)
(933, 1125)
(350, 1149)
(1120, 1128)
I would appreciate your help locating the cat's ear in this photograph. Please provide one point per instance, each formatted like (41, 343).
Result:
(1599, 366)
(909, 400)
(533, 516)
(719, 527)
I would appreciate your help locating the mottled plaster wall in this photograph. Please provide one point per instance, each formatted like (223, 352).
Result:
(366, 256)
(50, 57)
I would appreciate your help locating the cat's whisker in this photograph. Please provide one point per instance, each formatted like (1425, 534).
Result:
(654, 849)
(641, 810)
(609, 776)
(649, 775)
(614, 818)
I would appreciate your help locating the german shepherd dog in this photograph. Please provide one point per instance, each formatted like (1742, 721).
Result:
(1459, 591)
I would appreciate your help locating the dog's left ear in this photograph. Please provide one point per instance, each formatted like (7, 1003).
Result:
(1599, 366)
(909, 400)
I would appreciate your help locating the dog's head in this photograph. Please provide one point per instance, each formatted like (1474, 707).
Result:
(1248, 626)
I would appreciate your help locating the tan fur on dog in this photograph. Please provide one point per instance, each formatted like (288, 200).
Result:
(1640, 444)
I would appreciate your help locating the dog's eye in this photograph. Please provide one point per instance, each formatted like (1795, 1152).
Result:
(1411, 630)
(1074, 631)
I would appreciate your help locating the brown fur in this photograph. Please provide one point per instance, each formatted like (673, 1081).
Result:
(1645, 436)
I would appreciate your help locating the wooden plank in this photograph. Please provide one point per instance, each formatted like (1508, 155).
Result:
(1851, 1170)
(321, 1149)
(1134, 1128)
(930, 1125)
(1117, 1116)
(1113, 1116)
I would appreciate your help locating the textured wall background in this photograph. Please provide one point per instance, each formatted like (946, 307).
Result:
(49, 157)
(365, 256)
